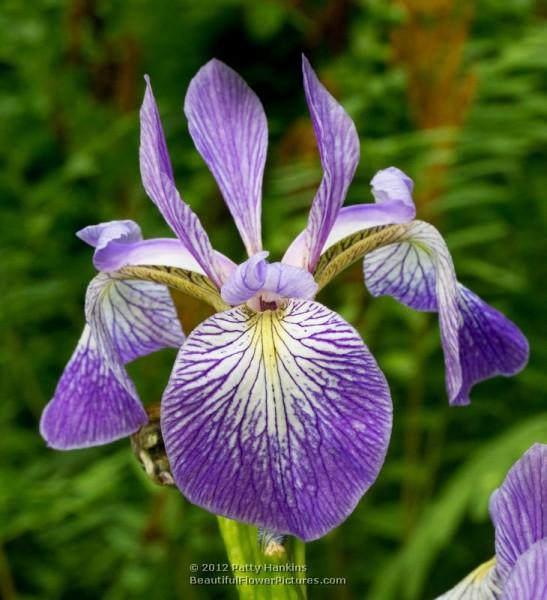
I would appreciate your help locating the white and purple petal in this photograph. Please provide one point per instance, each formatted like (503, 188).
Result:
(519, 508)
(95, 401)
(228, 125)
(338, 144)
(528, 580)
(279, 418)
(418, 271)
(131, 318)
(158, 181)
(478, 341)
(481, 584)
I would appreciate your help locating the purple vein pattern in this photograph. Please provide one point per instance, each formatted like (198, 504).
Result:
(528, 581)
(90, 406)
(338, 144)
(279, 419)
(159, 183)
(519, 508)
(419, 272)
(95, 401)
(131, 318)
(519, 512)
(478, 341)
(229, 128)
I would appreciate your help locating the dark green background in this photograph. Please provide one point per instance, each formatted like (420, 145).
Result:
(449, 92)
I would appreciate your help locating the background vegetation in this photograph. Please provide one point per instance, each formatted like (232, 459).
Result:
(450, 91)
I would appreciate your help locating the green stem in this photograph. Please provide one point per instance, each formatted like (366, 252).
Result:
(282, 569)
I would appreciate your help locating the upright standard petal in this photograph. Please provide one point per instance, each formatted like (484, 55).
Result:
(158, 181)
(392, 191)
(95, 401)
(478, 341)
(228, 125)
(279, 418)
(519, 508)
(338, 144)
(528, 580)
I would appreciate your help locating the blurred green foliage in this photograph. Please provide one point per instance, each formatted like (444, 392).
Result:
(88, 524)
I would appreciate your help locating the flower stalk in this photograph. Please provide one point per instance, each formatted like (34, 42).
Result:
(280, 567)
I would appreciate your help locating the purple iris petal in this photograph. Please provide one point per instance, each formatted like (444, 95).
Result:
(95, 401)
(280, 418)
(478, 341)
(490, 344)
(528, 580)
(392, 190)
(519, 508)
(255, 275)
(90, 406)
(419, 273)
(338, 144)
(158, 181)
(228, 125)
(519, 512)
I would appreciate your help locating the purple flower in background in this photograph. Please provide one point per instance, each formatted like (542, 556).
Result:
(519, 513)
(276, 413)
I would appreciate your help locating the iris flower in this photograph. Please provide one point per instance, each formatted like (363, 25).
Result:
(519, 512)
(276, 413)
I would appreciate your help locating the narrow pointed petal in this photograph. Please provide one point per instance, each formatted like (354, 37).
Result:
(481, 584)
(95, 401)
(228, 125)
(392, 191)
(158, 181)
(528, 580)
(478, 341)
(519, 508)
(338, 144)
(418, 271)
(90, 406)
(280, 418)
